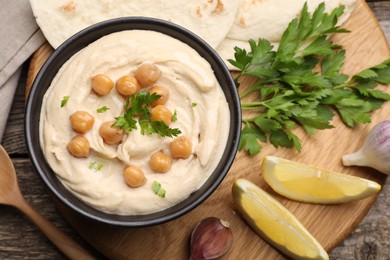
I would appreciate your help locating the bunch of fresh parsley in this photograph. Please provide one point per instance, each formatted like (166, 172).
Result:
(137, 109)
(301, 83)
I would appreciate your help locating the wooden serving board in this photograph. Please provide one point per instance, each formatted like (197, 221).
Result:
(330, 224)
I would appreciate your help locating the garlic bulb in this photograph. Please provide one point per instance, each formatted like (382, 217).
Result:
(375, 152)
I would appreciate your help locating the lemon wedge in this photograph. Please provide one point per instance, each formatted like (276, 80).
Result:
(274, 223)
(306, 183)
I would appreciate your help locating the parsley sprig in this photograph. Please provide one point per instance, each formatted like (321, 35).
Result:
(301, 83)
(137, 109)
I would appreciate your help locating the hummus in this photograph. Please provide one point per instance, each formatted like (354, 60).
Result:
(194, 94)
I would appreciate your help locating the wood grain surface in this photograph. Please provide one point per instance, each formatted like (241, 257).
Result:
(330, 224)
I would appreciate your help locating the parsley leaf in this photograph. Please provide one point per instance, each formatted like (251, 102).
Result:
(64, 100)
(102, 109)
(301, 83)
(174, 116)
(158, 190)
(95, 166)
(138, 107)
(160, 128)
(126, 122)
(249, 139)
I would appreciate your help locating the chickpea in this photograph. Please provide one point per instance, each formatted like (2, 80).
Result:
(102, 84)
(81, 121)
(147, 74)
(134, 177)
(162, 92)
(160, 162)
(181, 147)
(161, 113)
(127, 85)
(78, 146)
(110, 134)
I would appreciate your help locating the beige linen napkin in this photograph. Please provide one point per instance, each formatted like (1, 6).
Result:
(19, 38)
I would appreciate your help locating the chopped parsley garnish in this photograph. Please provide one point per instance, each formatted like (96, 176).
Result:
(64, 100)
(293, 91)
(95, 166)
(158, 190)
(194, 104)
(137, 109)
(174, 116)
(102, 109)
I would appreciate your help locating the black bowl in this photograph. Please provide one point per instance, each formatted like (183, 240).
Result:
(78, 42)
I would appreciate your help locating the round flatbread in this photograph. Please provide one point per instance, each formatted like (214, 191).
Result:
(268, 19)
(60, 19)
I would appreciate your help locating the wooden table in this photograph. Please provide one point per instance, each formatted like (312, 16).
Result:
(19, 238)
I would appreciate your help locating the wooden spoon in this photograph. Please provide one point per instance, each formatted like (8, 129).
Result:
(11, 195)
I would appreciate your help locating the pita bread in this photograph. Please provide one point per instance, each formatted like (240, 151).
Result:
(268, 19)
(60, 19)
(224, 24)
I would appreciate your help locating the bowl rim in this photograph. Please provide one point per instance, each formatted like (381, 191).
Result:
(79, 41)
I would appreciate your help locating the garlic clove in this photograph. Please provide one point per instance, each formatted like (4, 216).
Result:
(355, 159)
(375, 152)
(210, 239)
